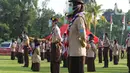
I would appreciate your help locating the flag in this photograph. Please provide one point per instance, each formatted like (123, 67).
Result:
(123, 22)
(111, 23)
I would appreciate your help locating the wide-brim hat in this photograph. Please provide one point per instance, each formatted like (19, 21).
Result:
(77, 1)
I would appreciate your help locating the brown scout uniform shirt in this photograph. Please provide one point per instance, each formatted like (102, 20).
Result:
(106, 42)
(75, 47)
(56, 34)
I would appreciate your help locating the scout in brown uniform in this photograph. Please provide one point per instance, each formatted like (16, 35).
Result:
(122, 52)
(110, 51)
(42, 50)
(100, 46)
(90, 54)
(36, 56)
(69, 18)
(128, 52)
(26, 49)
(55, 48)
(20, 51)
(13, 49)
(77, 37)
(47, 54)
(106, 44)
(115, 52)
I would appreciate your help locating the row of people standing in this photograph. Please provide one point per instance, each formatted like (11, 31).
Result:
(23, 47)
(106, 47)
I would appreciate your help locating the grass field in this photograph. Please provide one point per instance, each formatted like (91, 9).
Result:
(8, 66)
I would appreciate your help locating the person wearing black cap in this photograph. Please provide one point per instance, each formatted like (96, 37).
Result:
(77, 37)
(106, 44)
(90, 54)
(55, 47)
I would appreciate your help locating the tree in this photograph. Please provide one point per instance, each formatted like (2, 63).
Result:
(97, 11)
(19, 14)
(4, 31)
(88, 15)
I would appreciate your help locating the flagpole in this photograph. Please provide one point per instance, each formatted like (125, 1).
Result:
(123, 28)
(111, 23)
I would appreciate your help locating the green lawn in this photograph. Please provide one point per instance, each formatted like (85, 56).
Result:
(8, 66)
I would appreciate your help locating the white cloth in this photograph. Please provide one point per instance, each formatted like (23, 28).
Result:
(91, 51)
(20, 47)
(13, 47)
(42, 49)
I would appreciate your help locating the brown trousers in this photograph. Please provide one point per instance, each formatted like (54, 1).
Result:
(100, 54)
(90, 64)
(20, 58)
(55, 59)
(105, 55)
(110, 54)
(12, 55)
(26, 57)
(76, 64)
(128, 58)
(35, 67)
(115, 60)
(42, 55)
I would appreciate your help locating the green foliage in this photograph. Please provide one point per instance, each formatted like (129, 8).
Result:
(4, 31)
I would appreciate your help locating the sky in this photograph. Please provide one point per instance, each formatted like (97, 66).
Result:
(59, 5)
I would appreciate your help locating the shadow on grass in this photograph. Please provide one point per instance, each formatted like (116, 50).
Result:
(14, 68)
(65, 70)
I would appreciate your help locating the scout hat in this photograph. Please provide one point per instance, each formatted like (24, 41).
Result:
(77, 1)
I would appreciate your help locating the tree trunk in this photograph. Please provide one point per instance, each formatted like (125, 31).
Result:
(95, 29)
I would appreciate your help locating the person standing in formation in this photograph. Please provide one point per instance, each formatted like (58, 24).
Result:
(100, 46)
(26, 48)
(90, 54)
(55, 47)
(122, 51)
(65, 50)
(36, 56)
(110, 50)
(115, 52)
(42, 50)
(69, 18)
(128, 52)
(13, 49)
(48, 49)
(106, 44)
(20, 51)
(77, 37)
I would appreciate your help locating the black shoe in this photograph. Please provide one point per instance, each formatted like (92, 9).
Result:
(25, 66)
(105, 67)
